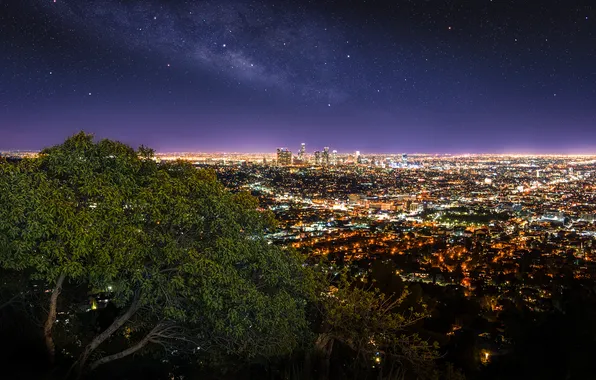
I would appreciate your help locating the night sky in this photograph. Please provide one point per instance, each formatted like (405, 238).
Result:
(376, 76)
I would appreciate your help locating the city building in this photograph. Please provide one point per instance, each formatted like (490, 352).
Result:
(318, 157)
(302, 152)
(326, 156)
(284, 157)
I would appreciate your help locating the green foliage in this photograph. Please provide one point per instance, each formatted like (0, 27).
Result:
(109, 217)
(55, 211)
(373, 324)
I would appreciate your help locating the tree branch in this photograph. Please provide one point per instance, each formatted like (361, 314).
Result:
(99, 339)
(129, 351)
(51, 318)
(10, 301)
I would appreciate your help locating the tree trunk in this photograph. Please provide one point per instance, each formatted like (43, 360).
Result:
(121, 354)
(51, 319)
(79, 365)
(307, 369)
(324, 347)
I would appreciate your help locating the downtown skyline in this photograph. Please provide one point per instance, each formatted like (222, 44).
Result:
(309, 154)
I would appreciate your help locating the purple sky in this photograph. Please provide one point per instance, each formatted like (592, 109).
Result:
(435, 76)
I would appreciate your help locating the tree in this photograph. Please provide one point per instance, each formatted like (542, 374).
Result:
(64, 214)
(374, 327)
(184, 259)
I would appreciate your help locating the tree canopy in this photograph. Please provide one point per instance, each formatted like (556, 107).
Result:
(183, 258)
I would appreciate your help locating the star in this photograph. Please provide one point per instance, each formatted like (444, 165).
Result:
(295, 75)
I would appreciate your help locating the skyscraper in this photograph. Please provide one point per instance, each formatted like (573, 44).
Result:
(404, 160)
(302, 152)
(358, 158)
(334, 157)
(326, 156)
(284, 157)
(318, 158)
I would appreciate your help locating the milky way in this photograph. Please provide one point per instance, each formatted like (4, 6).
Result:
(382, 76)
(257, 43)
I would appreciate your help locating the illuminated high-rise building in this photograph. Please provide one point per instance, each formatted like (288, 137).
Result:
(284, 157)
(404, 159)
(326, 156)
(318, 158)
(302, 152)
(358, 157)
(334, 157)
